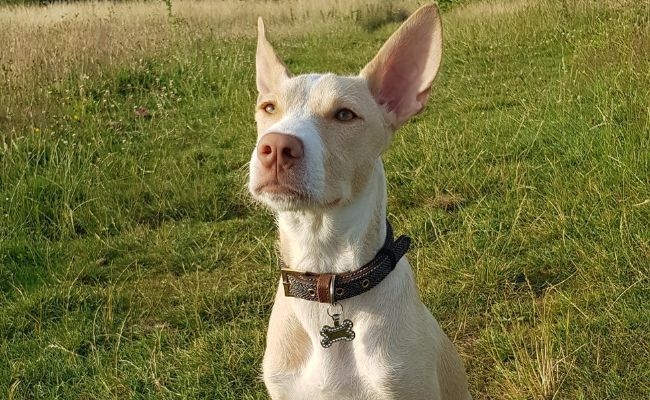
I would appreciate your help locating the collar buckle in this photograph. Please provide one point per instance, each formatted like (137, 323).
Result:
(284, 273)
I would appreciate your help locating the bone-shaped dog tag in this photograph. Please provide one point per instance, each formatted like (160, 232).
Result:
(336, 333)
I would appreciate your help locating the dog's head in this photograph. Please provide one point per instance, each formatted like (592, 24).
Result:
(319, 136)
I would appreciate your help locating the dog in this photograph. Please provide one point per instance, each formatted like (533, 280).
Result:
(347, 322)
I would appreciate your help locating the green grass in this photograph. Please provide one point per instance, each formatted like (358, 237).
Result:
(134, 265)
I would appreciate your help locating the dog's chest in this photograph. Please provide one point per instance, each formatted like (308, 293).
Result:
(330, 376)
(346, 370)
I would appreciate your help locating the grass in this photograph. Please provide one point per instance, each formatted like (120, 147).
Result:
(134, 265)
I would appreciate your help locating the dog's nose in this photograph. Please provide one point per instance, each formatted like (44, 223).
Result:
(279, 150)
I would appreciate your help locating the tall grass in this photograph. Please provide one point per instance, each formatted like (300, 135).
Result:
(38, 48)
(134, 265)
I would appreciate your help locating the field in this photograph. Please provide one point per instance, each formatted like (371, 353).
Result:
(134, 265)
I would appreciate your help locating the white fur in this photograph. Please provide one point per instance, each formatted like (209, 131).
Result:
(399, 351)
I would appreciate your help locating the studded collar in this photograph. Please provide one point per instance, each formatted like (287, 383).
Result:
(330, 288)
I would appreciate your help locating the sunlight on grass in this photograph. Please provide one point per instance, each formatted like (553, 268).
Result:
(134, 264)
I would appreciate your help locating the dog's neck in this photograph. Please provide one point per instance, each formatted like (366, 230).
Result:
(336, 240)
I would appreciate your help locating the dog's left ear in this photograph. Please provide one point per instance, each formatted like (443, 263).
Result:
(401, 74)
(270, 69)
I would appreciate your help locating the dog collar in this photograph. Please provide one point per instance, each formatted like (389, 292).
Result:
(330, 288)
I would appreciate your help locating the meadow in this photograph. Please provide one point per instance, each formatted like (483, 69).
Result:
(134, 265)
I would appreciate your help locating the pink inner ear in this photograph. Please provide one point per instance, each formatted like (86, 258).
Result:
(402, 82)
(401, 74)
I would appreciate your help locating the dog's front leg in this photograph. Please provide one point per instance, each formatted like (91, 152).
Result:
(287, 350)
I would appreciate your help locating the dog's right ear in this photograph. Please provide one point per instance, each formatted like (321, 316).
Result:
(270, 69)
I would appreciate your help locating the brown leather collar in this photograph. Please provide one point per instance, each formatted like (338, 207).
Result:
(330, 288)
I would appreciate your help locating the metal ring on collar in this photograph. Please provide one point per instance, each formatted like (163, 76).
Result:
(332, 301)
(329, 307)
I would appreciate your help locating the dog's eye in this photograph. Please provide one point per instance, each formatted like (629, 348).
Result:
(345, 115)
(269, 108)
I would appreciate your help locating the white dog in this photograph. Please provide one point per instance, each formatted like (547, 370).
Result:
(347, 322)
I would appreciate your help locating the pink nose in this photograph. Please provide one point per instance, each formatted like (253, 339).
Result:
(280, 152)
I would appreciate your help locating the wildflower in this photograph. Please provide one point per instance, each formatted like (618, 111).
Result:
(37, 130)
(76, 117)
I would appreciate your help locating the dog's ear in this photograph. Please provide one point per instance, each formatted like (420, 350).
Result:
(401, 74)
(270, 69)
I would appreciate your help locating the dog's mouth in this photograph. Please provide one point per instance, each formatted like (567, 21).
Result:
(275, 188)
(282, 196)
